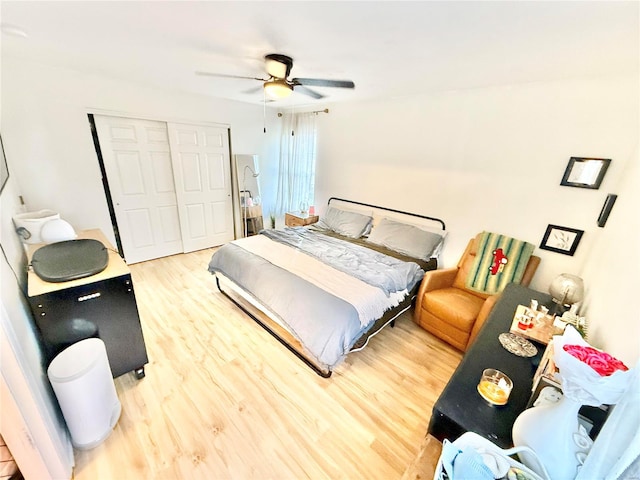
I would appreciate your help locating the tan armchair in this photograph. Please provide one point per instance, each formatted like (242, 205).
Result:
(450, 311)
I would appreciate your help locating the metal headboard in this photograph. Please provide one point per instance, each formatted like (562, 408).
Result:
(441, 222)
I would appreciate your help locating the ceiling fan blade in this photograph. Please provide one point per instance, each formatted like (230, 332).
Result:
(307, 91)
(319, 82)
(224, 75)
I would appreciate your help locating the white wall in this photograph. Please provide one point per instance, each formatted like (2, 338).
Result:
(21, 363)
(611, 272)
(49, 143)
(492, 159)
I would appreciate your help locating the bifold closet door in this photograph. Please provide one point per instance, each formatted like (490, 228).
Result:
(202, 171)
(137, 159)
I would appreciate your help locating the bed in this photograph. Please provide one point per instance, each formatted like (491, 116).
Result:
(324, 290)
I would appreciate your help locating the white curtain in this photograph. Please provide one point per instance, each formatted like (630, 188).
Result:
(297, 172)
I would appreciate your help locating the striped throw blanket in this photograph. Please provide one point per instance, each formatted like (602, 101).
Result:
(500, 260)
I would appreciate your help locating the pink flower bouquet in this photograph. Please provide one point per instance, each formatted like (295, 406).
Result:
(589, 375)
(601, 362)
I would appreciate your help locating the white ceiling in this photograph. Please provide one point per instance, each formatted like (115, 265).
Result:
(388, 49)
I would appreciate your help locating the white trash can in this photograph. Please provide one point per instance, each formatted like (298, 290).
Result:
(83, 384)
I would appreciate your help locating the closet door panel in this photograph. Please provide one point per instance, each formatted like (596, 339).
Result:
(202, 170)
(137, 159)
(141, 231)
(196, 220)
(220, 216)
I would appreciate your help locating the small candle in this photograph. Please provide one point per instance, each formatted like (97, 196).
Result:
(524, 322)
(495, 386)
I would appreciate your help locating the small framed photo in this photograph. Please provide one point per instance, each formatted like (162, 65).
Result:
(561, 239)
(585, 172)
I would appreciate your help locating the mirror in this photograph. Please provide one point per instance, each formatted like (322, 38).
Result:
(248, 179)
(585, 172)
(247, 174)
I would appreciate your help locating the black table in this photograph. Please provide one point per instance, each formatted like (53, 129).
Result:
(460, 408)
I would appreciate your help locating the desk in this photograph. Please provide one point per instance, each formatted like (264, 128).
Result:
(104, 301)
(460, 408)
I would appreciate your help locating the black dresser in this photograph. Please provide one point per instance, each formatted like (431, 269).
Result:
(102, 305)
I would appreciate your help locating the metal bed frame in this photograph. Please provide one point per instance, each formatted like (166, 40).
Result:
(261, 317)
(438, 220)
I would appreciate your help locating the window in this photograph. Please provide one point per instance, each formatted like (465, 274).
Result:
(297, 169)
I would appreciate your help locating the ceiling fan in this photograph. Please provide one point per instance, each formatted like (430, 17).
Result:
(278, 85)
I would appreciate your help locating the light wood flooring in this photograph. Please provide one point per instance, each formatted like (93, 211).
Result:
(223, 399)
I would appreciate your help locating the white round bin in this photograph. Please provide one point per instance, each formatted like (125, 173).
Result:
(29, 225)
(83, 384)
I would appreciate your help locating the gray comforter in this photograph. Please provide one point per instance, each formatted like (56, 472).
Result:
(374, 268)
(327, 326)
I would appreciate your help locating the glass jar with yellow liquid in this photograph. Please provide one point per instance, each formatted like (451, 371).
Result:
(495, 387)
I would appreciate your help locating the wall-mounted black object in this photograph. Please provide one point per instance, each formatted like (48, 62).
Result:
(585, 172)
(606, 209)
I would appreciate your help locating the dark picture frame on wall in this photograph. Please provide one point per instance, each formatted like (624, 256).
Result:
(559, 239)
(585, 172)
(4, 170)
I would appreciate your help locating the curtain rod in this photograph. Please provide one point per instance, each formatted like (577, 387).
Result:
(326, 110)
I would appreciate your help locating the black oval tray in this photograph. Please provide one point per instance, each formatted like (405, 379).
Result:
(70, 260)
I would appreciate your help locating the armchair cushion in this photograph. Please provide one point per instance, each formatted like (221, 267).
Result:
(457, 306)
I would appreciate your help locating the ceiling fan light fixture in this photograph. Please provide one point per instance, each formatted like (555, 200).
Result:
(275, 68)
(278, 65)
(277, 89)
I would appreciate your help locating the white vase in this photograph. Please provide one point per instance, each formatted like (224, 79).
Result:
(555, 435)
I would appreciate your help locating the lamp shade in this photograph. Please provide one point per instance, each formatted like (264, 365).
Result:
(567, 289)
(277, 89)
(275, 68)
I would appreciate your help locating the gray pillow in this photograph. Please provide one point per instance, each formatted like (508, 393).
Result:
(349, 224)
(405, 238)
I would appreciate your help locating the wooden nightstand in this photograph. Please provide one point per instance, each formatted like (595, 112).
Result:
(299, 220)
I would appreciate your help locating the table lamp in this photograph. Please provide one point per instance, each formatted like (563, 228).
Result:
(566, 290)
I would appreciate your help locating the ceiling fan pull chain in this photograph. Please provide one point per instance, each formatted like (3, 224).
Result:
(264, 111)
